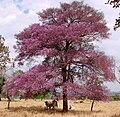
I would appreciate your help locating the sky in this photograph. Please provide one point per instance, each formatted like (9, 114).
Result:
(15, 15)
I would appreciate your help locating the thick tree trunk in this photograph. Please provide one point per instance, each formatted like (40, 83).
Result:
(92, 105)
(65, 103)
(65, 78)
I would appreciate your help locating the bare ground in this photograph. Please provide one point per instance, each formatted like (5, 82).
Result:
(36, 108)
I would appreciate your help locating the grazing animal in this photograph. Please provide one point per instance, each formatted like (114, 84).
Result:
(55, 104)
(51, 105)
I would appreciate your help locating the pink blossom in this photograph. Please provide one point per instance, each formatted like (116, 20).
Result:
(72, 63)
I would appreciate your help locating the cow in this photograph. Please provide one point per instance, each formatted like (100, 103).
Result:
(51, 105)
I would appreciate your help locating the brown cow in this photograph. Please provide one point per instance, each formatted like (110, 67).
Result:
(51, 105)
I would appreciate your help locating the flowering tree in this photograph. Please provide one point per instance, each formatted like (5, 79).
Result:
(71, 61)
(97, 91)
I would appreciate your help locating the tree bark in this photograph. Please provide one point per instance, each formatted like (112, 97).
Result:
(8, 104)
(9, 100)
(0, 93)
(92, 105)
(65, 78)
(65, 101)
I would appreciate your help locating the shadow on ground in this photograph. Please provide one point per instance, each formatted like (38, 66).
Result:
(39, 109)
(116, 115)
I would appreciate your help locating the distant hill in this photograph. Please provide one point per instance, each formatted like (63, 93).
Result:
(115, 92)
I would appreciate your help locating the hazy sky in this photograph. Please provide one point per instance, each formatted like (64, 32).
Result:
(15, 15)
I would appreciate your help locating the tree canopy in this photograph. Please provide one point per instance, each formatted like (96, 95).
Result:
(4, 59)
(4, 53)
(72, 64)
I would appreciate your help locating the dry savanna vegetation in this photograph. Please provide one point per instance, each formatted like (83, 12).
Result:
(36, 108)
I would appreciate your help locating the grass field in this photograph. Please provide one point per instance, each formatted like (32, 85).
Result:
(36, 108)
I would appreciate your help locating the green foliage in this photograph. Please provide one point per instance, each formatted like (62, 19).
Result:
(4, 59)
(4, 54)
(82, 98)
(45, 95)
(17, 72)
(1, 81)
(115, 97)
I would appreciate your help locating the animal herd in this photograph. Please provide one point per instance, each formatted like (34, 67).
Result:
(54, 103)
(51, 104)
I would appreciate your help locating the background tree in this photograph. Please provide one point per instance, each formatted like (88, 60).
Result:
(98, 91)
(115, 4)
(4, 59)
(17, 72)
(45, 95)
(118, 72)
(64, 38)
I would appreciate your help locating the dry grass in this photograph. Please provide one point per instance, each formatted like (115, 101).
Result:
(36, 108)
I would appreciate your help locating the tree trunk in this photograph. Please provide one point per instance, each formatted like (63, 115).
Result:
(65, 103)
(8, 104)
(65, 78)
(92, 105)
(0, 94)
(9, 100)
(0, 97)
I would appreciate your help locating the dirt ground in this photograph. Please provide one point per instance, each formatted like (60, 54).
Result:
(36, 108)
